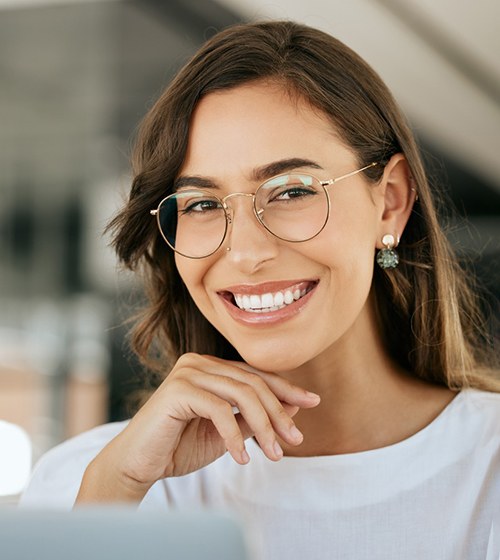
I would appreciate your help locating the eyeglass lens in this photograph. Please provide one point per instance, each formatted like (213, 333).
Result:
(292, 207)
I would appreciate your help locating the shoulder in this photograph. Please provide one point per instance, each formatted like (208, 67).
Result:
(56, 478)
(477, 414)
(484, 403)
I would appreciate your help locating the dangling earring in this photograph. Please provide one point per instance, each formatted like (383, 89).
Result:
(388, 256)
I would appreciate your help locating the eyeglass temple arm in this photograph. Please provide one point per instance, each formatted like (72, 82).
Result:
(332, 181)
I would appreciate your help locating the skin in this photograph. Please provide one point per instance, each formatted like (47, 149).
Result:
(330, 372)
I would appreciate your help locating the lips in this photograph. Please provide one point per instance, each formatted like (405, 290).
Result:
(268, 299)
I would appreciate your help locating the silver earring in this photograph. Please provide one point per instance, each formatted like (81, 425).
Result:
(388, 256)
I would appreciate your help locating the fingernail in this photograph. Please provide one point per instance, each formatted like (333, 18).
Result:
(312, 395)
(244, 457)
(277, 449)
(296, 433)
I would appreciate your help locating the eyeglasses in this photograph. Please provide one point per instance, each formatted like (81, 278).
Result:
(294, 207)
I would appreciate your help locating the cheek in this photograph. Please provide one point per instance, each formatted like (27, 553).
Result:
(195, 274)
(192, 273)
(347, 248)
(347, 243)
(353, 227)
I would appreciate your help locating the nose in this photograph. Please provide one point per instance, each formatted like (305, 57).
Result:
(249, 245)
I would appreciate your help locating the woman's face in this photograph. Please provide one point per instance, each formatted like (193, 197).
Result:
(238, 139)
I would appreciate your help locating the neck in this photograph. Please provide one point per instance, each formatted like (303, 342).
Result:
(367, 401)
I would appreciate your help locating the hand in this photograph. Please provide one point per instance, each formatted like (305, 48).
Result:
(189, 422)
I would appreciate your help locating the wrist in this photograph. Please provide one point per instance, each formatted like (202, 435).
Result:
(104, 483)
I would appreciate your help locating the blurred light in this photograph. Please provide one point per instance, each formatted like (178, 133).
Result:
(15, 459)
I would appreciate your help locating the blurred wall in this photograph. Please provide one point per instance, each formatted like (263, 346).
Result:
(76, 78)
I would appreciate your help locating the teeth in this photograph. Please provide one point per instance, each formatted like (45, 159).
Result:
(268, 302)
(279, 299)
(288, 297)
(255, 302)
(265, 309)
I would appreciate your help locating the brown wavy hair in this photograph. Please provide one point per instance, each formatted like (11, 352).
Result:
(426, 310)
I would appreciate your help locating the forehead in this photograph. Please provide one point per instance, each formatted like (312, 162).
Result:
(239, 129)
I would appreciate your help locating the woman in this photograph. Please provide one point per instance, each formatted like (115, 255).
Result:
(309, 313)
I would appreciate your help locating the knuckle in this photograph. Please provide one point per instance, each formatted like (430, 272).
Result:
(234, 439)
(247, 391)
(186, 358)
(222, 407)
(266, 426)
(192, 358)
(183, 364)
(179, 385)
(258, 382)
(282, 414)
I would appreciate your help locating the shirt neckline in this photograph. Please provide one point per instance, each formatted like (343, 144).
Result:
(379, 452)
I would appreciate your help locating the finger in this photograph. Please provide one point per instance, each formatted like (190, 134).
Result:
(281, 387)
(277, 411)
(204, 404)
(247, 431)
(291, 409)
(238, 393)
(281, 421)
(261, 409)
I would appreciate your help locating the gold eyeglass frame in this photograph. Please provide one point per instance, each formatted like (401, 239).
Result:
(156, 211)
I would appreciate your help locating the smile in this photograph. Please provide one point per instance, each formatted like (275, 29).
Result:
(269, 302)
(256, 303)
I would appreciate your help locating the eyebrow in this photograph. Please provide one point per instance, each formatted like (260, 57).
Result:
(258, 175)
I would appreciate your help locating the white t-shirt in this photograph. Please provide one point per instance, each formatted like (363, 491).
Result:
(433, 496)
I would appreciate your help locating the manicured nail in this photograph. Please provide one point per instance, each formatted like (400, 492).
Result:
(244, 457)
(277, 449)
(312, 395)
(296, 434)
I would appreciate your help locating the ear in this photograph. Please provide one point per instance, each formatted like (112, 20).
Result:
(398, 197)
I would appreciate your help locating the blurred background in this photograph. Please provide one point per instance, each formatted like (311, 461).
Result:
(76, 77)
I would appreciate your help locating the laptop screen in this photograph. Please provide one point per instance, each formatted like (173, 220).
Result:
(119, 534)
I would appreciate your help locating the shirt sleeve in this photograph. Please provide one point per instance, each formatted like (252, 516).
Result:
(57, 476)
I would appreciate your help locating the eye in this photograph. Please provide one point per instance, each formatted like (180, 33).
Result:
(289, 188)
(199, 206)
(290, 192)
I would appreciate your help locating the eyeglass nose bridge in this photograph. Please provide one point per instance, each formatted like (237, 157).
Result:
(228, 209)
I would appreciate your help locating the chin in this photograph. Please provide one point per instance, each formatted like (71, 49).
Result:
(274, 361)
